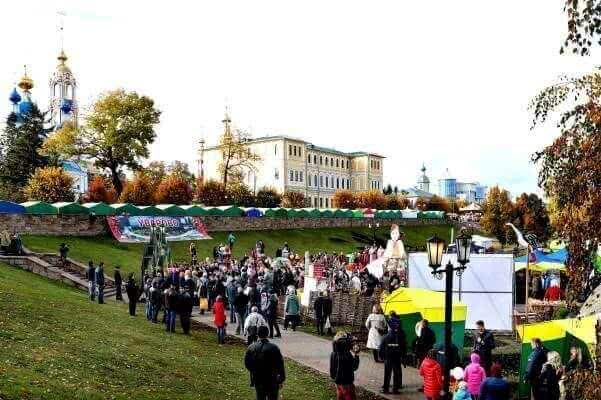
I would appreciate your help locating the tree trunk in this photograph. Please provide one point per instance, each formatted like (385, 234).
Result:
(117, 184)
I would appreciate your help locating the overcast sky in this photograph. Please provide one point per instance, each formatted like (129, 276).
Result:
(445, 83)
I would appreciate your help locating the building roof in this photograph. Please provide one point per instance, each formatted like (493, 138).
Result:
(309, 146)
(415, 192)
(72, 166)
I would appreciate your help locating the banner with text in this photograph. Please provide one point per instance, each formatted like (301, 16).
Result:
(136, 229)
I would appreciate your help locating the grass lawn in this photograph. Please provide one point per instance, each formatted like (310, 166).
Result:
(57, 345)
(128, 256)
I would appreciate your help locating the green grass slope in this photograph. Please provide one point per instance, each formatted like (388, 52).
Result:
(57, 345)
(128, 256)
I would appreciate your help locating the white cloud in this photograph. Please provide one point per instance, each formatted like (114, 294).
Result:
(445, 83)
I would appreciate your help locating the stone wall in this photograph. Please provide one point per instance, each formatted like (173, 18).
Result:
(57, 225)
(83, 225)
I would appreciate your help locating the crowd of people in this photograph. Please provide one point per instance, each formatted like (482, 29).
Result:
(10, 243)
(246, 292)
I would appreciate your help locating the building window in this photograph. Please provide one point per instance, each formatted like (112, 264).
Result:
(337, 183)
(300, 175)
(314, 159)
(321, 202)
(309, 159)
(347, 164)
(320, 160)
(331, 161)
(327, 202)
(276, 174)
(326, 161)
(327, 181)
(337, 163)
(289, 149)
(315, 180)
(291, 175)
(296, 176)
(348, 183)
(300, 151)
(309, 179)
(294, 150)
(321, 181)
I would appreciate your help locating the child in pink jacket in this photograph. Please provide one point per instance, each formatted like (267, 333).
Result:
(474, 375)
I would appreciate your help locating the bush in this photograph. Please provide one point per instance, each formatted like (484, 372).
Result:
(294, 200)
(268, 198)
(371, 199)
(50, 184)
(139, 191)
(100, 189)
(240, 195)
(174, 189)
(211, 193)
(344, 199)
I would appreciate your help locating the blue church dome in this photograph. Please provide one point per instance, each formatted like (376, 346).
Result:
(66, 106)
(15, 97)
(25, 107)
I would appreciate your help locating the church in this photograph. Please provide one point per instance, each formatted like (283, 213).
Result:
(63, 108)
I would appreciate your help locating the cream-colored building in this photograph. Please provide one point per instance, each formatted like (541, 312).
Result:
(289, 164)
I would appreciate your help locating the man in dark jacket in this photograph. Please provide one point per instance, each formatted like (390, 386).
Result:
(343, 365)
(393, 350)
(271, 314)
(536, 359)
(171, 305)
(118, 283)
(484, 343)
(266, 366)
(318, 310)
(186, 303)
(155, 299)
(99, 278)
(424, 342)
(91, 275)
(132, 290)
(240, 303)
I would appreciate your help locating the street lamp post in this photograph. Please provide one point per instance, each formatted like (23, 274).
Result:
(435, 247)
(373, 227)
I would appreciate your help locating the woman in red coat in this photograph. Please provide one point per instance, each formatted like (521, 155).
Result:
(219, 319)
(431, 371)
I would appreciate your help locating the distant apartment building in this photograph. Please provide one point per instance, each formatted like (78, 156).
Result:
(291, 164)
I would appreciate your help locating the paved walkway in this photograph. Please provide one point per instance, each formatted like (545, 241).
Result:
(314, 352)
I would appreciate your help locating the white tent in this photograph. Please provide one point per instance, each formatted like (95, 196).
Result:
(473, 207)
(409, 213)
(486, 286)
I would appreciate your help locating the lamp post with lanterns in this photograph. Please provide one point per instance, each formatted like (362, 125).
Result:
(436, 247)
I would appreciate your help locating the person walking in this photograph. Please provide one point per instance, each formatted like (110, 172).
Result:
(252, 324)
(291, 309)
(118, 282)
(548, 381)
(185, 305)
(91, 274)
(484, 344)
(155, 300)
(431, 373)
(271, 314)
(170, 308)
(231, 240)
(376, 325)
(474, 375)
(240, 304)
(393, 350)
(495, 387)
(219, 318)
(192, 251)
(265, 363)
(132, 291)
(344, 361)
(99, 279)
(318, 311)
(536, 360)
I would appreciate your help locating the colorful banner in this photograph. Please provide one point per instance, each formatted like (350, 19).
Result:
(136, 229)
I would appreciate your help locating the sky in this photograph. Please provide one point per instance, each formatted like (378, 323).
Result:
(444, 83)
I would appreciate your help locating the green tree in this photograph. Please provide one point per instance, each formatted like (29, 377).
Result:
(174, 189)
(530, 215)
(497, 211)
(117, 132)
(240, 195)
(583, 26)
(20, 145)
(268, 197)
(50, 184)
(156, 172)
(387, 190)
(211, 193)
(61, 145)
(181, 169)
